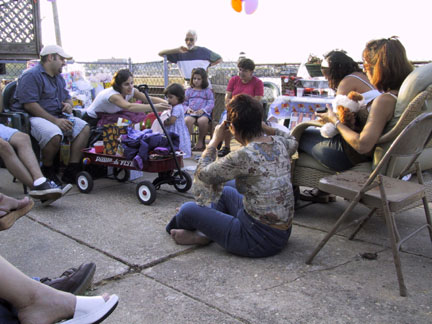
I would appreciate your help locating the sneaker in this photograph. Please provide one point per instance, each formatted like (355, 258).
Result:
(75, 281)
(224, 151)
(64, 190)
(70, 173)
(46, 191)
(49, 173)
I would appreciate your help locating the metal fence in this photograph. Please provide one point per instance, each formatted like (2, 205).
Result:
(151, 73)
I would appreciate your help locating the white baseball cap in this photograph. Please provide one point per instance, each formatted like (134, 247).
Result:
(54, 49)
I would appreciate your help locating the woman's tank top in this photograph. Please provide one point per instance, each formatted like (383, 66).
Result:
(370, 95)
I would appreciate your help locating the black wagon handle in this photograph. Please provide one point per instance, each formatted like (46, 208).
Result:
(144, 89)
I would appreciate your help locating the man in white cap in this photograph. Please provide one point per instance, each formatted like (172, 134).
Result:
(41, 92)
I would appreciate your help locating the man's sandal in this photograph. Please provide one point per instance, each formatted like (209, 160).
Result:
(316, 195)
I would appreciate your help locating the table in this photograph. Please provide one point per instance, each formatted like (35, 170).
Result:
(296, 109)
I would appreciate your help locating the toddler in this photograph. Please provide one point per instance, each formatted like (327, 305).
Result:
(198, 106)
(176, 123)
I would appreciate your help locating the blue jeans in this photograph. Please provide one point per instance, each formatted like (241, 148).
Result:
(327, 151)
(228, 224)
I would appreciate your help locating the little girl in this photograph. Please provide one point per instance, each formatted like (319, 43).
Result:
(198, 106)
(176, 123)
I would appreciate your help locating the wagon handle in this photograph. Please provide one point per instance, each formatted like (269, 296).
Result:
(144, 89)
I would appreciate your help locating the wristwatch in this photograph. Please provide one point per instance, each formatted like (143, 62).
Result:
(337, 123)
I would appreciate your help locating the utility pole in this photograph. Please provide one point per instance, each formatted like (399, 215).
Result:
(56, 23)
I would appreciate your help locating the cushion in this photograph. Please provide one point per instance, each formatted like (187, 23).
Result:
(417, 81)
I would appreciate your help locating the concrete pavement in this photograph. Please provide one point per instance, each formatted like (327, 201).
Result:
(161, 282)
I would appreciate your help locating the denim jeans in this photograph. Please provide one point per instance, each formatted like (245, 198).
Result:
(327, 151)
(228, 224)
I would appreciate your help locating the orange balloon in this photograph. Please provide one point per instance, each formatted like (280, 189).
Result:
(237, 5)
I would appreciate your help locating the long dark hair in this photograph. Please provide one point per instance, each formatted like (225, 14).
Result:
(339, 66)
(204, 77)
(119, 77)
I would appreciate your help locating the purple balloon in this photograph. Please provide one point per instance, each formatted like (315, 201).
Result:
(250, 6)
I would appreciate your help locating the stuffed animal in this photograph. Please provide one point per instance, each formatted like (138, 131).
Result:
(346, 108)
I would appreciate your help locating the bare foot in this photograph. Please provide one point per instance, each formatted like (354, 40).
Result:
(8, 203)
(185, 237)
(47, 308)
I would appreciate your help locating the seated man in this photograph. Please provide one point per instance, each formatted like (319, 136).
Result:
(41, 92)
(18, 156)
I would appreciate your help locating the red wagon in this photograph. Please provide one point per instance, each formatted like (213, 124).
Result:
(168, 169)
(145, 190)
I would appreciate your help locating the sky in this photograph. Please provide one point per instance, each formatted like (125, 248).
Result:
(279, 31)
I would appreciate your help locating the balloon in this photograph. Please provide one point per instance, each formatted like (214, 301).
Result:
(237, 5)
(250, 6)
(86, 161)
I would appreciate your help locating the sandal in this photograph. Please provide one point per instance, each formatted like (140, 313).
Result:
(224, 151)
(92, 310)
(317, 196)
(11, 216)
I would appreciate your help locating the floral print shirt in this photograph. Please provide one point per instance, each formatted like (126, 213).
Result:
(263, 176)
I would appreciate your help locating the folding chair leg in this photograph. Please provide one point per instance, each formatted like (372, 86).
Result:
(428, 215)
(425, 200)
(334, 229)
(361, 224)
(389, 218)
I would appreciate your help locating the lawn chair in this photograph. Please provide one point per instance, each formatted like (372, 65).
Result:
(414, 98)
(389, 193)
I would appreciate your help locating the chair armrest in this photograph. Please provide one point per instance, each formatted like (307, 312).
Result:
(299, 129)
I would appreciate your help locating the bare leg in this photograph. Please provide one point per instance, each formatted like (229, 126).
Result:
(203, 125)
(35, 302)
(189, 123)
(22, 143)
(14, 164)
(78, 144)
(50, 151)
(185, 237)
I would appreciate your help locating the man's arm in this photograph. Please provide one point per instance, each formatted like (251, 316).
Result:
(36, 110)
(216, 62)
(181, 49)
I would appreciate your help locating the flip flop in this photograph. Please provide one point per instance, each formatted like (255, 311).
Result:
(317, 196)
(6, 221)
(92, 310)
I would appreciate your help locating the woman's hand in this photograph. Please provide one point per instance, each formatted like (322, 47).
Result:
(328, 117)
(162, 106)
(219, 134)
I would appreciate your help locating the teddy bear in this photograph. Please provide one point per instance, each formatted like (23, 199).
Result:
(346, 108)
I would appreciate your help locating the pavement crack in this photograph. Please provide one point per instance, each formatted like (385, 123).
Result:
(242, 320)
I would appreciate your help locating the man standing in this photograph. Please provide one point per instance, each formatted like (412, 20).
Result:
(41, 92)
(191, 56)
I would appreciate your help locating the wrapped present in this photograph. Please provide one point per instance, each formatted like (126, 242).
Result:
(110, 136)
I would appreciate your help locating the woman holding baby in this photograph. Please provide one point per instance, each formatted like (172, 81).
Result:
(386, 67)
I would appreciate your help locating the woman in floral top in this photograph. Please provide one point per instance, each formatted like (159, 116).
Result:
(254, 219)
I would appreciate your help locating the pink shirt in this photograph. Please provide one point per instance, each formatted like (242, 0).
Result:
(254, 87)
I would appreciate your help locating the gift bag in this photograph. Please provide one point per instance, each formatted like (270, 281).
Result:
(110, 137)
